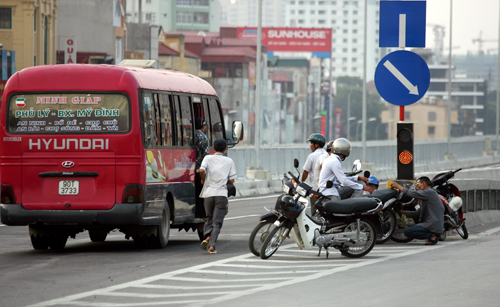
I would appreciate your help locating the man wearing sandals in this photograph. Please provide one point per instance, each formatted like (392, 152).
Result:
(216, 172)
(431, 214)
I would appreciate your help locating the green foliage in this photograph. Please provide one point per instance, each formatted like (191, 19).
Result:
(374, 107)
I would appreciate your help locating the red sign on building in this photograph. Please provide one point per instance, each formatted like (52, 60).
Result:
(292, 39)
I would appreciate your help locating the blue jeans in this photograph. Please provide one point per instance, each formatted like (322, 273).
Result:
(418, 232)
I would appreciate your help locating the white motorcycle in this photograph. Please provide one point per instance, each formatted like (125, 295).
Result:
(345, 229)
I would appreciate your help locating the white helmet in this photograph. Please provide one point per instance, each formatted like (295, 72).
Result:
(342, 146)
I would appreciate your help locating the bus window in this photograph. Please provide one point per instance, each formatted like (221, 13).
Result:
(187, 120)
(157, 119)
(207, 119)
(177, 120)
(149, 121)
(65, 113)
(215, 119)
(166, 116)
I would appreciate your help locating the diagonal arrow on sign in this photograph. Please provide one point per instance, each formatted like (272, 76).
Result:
(412, 88)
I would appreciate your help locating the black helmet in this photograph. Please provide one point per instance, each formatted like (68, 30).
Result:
(329, 146)
(289, 207)
(317, 138)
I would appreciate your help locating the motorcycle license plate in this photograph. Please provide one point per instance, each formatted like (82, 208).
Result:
(69, 187)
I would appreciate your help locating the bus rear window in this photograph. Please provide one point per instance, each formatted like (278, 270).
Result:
(68, 113)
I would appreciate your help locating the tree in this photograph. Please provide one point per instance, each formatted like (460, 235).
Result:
(374, 106)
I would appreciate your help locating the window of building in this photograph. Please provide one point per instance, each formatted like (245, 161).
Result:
(322, 12)
(354, 50)
(334, 22)
(301, 2)
(345, 41)
(149, 16)
(346, 12)
(301, 21)
(200, 18)
(292, 2)
(344, 50)
(292, 12)
(354, 31)
(345, 21)
(346, 2)
(321, 22)
(344, 60)
(313, 2)
(334, 2)
(355, 41)
(431, 116)
(183, 2)
(354, 60)
(184, 17)
(312, 12)
(355, 12)
(431, 130)
(321, 2)
(354, 22)
(344, 69)
(5, 18)
(302, 12)
(354, 69)
(344, 31)
(148, 1)
(334, 12)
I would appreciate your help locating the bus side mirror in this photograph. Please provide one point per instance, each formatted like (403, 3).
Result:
(237, 131)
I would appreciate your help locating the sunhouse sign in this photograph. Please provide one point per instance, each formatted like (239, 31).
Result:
(315, 40)
(68, 113)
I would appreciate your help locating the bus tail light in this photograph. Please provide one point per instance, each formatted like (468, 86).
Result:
(132, 193)
(7, 194)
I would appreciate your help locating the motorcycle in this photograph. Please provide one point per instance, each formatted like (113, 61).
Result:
(385, 220)
(346, 230)
(450, 197)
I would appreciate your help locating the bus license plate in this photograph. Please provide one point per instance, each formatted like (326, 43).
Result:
(69, 187)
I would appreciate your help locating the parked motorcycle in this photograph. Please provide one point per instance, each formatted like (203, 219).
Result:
(346, 230)
(450, 197)
(385, 220)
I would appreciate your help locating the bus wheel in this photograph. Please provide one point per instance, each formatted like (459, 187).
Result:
(39, 242)
(97, 235)
(58, 241)
(162, 230)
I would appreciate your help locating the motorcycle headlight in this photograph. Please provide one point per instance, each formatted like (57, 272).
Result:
(285, 188)
(301, 191)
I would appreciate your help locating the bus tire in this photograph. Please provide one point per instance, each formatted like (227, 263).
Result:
(97, 235)
(39, 242)
(162, 230)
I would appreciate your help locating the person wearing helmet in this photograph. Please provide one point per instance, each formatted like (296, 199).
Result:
(372, 182)
(332, 171)
(317, 142)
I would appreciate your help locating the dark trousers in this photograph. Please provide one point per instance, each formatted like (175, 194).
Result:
(418, 232)
(199, 208)
(216, 209)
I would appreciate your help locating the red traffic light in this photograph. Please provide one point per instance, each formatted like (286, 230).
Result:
(405, 157)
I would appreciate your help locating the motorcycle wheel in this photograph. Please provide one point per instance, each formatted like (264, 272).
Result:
(259, 235)
(359, 251)
(398, 236)
(462, 231)
(273, 242)
(387, 224)
(443, 234)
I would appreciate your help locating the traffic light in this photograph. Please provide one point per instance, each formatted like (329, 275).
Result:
(405, 151)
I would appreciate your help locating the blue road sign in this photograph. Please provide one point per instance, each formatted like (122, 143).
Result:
(407, 17)
(402, 77)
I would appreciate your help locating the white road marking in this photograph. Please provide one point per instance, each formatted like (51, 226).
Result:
(489, 232)
(250, 275)
(252, 198)
(241, 217)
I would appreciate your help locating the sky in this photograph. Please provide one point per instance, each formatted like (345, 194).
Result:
(470, 17)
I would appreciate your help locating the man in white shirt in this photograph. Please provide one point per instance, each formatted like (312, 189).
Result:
(216, 172)
(319, 163)
(332, 170)
(317, 142)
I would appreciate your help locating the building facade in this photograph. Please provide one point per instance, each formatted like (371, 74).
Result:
(175, 15)
(28, 27)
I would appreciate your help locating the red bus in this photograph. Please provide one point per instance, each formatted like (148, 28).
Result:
(103, 147)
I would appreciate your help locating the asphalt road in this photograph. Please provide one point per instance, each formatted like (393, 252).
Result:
(114, 273)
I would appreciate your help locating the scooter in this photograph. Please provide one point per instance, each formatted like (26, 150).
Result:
(450, 197)
(346, 230)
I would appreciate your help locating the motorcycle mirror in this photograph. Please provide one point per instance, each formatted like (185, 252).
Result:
(295, 163)
(329, 184)
(356, 165)
(366, 174)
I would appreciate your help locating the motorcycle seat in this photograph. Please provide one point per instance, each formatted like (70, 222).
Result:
(384, 195)
(351, 205)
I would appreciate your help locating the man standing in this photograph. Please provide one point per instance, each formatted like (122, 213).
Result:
(201, 144)
(317, 142)
(431, 212)
(216, 172)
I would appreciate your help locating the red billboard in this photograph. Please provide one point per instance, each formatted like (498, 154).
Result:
(318, 40)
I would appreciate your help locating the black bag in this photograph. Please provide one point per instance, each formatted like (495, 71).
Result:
(231, 190)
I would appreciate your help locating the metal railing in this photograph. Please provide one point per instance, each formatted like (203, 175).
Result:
(278, 159)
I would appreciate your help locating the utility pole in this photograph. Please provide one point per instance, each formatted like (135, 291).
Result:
(258, 85)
